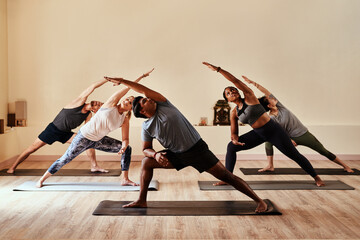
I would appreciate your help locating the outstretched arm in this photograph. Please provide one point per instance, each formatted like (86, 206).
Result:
(149, 93)
(258, 86)
(81, 99)
(248, 93)
(115, 98)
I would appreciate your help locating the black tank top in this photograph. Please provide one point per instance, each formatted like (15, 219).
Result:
(70, 118)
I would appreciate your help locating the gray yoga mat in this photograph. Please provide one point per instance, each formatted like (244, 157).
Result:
(299, 171)
(279, 185)
(184, 208)
(62, 172)
(83, 187)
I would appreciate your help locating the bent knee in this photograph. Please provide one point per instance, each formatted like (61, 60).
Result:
(128, 149)
(232, 147)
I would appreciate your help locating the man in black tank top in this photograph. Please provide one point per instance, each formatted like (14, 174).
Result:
(60, 130)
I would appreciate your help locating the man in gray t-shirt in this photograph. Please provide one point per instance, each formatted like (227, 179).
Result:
(184, 146)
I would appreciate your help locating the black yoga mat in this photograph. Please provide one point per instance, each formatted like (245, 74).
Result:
(62, 172)
(299, 171)
(279, 185)
(184, 208)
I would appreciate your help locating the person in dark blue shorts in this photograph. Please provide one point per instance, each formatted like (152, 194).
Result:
(183, 144)
(60, 130)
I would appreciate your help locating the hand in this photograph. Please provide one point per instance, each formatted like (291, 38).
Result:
(148, 73)
(123, 149)
(212, 67)
(162, 159)
(235, 140)
(294, 143)
(116, 81)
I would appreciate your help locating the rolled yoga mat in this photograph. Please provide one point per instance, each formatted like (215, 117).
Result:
(62, 172)
(184, 208)
(83, 187)
(279, 185)
(299, 171)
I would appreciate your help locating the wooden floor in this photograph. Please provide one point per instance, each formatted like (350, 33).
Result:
(58, 215)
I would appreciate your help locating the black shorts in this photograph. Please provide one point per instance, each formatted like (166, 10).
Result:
(199, 156)
(52, 134)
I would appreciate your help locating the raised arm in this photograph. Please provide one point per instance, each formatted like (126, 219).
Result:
(149, 93)
(81, 99)
(239, 84)
(115, 98)
(258, 86)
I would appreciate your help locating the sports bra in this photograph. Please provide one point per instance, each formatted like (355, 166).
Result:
(250, 113)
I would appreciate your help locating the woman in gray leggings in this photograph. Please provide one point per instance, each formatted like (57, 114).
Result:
(112, 115)
(298, 133)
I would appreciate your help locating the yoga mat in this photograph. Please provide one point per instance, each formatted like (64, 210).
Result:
(61, 172)
(299, 171)
(280, 185)
(83, 187)
(184, 208)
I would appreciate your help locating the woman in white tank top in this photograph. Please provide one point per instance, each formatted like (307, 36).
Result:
(112, 115)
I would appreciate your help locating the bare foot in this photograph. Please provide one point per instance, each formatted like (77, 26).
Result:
(39, 184)
(128, 182)
(136, 204)
(349, 170)
(319, 182)
(266, 169)
(261, 207)
(220, 183)
(98, 170)
(10, 170)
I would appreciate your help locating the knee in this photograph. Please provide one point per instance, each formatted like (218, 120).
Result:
(128, 150)
(146, 162)
(231, 147)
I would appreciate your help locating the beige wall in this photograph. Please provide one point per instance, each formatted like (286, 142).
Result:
(306, 52)
(9, 146)
(3, 60)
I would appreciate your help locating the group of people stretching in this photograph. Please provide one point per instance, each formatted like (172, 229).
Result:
(183, 144)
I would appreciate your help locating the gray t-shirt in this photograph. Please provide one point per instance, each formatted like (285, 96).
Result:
(288, 121)
(170, 128)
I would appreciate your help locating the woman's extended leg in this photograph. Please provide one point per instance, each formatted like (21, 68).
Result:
(309, 140)
(77, 146)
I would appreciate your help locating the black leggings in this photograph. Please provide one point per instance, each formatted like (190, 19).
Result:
(270, 132)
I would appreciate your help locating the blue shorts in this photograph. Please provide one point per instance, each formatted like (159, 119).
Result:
(52, 134)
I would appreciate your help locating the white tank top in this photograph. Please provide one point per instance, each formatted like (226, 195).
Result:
(102, 123)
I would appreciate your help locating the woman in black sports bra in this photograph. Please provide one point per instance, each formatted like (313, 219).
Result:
(249, 110)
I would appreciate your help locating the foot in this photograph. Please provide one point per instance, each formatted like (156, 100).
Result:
(220, 183)
(319, 182)
(261, 207)
(98, 170)
(39, 184)
(128, 182)
(10, 170)
(349, 170)
(267, 169)
(136, 204)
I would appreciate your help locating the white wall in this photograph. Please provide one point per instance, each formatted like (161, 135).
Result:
(306, 52)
